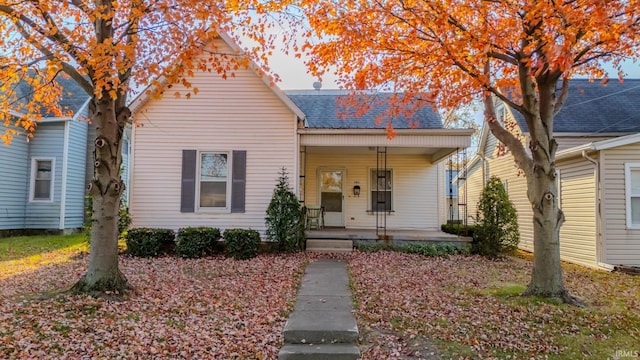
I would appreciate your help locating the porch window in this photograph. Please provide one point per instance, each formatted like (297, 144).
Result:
(632, 191)
(381, 186)
(214, 180)
(42, 179)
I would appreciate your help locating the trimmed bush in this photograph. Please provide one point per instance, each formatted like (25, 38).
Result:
(416, 248)
(285, 225)
(458, 229)
(374, 247)
(497, 231)
(147, 242)
(242, 244)
(197, 242)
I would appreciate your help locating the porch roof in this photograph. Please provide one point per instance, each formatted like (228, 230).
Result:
(435, 143)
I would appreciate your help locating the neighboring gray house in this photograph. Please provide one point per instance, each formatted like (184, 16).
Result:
(42, 179)
(598, 172)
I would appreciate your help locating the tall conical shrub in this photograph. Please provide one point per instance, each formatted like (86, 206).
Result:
(284, 218)
(496, 231)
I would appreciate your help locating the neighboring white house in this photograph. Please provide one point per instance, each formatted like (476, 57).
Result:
(598, 164)
(213, 159)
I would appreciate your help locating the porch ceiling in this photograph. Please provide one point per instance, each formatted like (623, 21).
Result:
(436, 144)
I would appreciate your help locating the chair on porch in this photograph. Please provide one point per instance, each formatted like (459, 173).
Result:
(314, 216)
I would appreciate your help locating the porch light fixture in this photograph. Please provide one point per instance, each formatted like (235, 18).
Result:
(356, 189)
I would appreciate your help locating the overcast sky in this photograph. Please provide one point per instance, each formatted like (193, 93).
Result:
(295, 76)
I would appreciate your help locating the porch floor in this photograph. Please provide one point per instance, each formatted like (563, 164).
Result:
(394, 235)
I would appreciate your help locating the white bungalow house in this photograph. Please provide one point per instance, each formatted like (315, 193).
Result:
(598, 163)
(213, 159)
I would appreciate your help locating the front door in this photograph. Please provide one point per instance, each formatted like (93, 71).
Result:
(331, 196)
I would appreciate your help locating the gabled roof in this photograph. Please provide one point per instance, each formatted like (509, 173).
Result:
(143, 97)
(326, 109)
(73, 97)
(593, 107)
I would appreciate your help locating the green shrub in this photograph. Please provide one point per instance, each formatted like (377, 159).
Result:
(147, 242)
(197, 242)
(375, 247)
(242, 244)
(414, 248)
(458, 229)
(497, 231)
(284, 220)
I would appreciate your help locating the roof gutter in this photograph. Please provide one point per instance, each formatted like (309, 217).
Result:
(443, 132)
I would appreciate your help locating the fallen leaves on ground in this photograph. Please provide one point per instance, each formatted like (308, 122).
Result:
(461, 301)
(214, 308)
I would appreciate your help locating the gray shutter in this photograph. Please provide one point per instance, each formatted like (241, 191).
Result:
(188, 191)
(238, 181)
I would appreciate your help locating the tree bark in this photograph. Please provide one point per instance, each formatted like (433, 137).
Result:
(540, 172)
(103, 274)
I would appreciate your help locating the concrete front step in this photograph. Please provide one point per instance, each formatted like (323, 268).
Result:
(319, 352)
(320, 327)
(328, 245)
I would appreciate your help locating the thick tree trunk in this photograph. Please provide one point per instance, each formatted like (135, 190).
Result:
(546, 278)
(103, 274)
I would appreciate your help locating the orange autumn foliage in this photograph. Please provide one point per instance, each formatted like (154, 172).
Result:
(441, 47)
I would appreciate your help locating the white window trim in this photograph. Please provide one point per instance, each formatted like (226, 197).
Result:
(209, 210)
(372, 189)
(32, 180)
(628, 195)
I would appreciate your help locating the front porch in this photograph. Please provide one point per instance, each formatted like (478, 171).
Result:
(396, 237)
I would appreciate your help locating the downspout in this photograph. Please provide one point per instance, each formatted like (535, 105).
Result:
(65, 170)
(596, 172)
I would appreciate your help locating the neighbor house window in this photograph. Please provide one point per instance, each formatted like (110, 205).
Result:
(42, 179)
(632, 191)
(381, 190)
(214, 180)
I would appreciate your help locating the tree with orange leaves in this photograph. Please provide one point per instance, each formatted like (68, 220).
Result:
(108, 47)
(521, 52)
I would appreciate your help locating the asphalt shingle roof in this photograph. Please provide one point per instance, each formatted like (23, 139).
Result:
(73, 96)
(326, 109)
(593, 107)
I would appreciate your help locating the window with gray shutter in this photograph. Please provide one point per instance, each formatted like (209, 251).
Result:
(239, 180)
(188, 190)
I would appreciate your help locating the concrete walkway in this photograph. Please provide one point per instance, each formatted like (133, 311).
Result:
(322, 325)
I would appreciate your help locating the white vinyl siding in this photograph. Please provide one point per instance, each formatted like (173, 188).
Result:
(42, 179)
(416, 188)
(239, 113)
(632, 191)
(621, 245)
(471, 189)
(578, 236)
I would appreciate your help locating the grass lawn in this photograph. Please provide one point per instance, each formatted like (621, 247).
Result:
(407, 306)
(28, 253)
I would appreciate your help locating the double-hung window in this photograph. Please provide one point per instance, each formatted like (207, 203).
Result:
(381, 190)
(42, 179)
(632, 194)
(214, 180)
